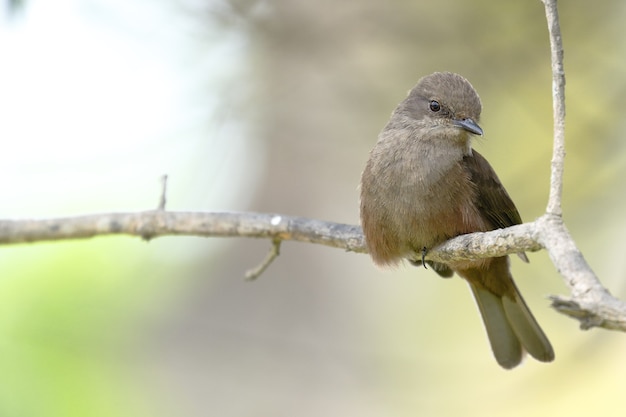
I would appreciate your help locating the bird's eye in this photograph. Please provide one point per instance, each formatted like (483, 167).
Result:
(434, 105)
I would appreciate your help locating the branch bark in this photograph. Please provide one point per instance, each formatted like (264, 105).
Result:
(589, 302)
(154, 223)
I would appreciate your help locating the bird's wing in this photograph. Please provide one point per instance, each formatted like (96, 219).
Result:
(492, 199)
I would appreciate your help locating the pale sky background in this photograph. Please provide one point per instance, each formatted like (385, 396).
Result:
(99, 99)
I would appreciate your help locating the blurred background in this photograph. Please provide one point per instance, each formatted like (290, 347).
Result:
(272, 106)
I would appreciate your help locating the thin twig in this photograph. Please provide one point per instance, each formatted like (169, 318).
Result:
(558, 105)
(254, 273)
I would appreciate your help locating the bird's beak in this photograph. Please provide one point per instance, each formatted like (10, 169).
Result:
(469, 125)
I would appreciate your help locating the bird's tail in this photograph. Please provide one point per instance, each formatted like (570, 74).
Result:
(511, 327)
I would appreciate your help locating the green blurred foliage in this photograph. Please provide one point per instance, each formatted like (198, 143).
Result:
(68, 314)
(72, 316)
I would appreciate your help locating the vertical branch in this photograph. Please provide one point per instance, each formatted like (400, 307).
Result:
(558, 106)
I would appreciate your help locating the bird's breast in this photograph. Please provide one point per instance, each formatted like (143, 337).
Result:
(418, 198)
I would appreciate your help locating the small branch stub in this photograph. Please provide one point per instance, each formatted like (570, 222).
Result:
(254, 273)
(163, 198)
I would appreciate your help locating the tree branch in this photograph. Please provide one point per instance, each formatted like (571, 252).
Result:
(154, 223)
(590, 302)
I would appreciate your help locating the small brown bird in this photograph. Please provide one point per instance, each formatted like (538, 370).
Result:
(424, 184)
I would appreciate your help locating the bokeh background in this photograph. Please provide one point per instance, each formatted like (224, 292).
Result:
(252, 105)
